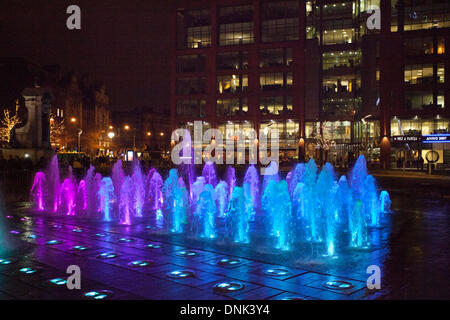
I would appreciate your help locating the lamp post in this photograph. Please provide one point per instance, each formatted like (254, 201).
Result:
(79, 139)
(127, 127)
(79, 132)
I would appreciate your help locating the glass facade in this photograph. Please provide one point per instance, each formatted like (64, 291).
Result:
(236, 25)
(188, 86)
(277, 105)
(279, 57)
(280, 21)
(191, 108)
(339, 60)
(418, 126)
(426, 14)
(191, 63)
(232, 60)
(232, 83)
(346, 56)
(275, 81)
(232, 107)
(194, 28)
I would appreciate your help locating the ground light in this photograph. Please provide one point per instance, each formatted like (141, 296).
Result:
(187, 253)
(140, 263)
(107, 255)
(228, 286)
(54, 242)
(99, 295)
(293, 298)
(337, 285)
(181, 274)
(100, 235)
(126, 240)
(228, 261)
(28, 270)
(79, 248)
(5, 261)
(276, 272)
(58, 281)
(154, 246)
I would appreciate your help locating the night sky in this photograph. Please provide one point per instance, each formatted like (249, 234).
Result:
(123, 43)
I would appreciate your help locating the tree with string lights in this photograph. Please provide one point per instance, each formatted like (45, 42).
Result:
(57, 129)
(8, 123)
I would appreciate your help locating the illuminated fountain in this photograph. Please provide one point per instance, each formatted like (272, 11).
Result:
(155, 191)
(251, 190)
(126, 202)
(187, 155)
(209, 173)
(310, 206)
(204, 214)
(68, 193)
(138, 189)
(327, 214)
(106, 197)
(53, 182)
(38, 190)
(221, 192)
(231, 179)
(237, 219)
(117, 178)
(385, 202)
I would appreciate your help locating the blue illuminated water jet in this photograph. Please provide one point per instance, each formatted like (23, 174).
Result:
(106, 198)
(237, 219)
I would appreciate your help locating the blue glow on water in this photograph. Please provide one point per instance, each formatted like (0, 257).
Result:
(205, 214)
(237, 219)
(106, 196)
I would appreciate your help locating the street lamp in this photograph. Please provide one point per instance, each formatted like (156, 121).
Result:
(79, 139)
(111, 135)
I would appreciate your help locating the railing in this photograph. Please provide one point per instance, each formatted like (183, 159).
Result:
(16, 180)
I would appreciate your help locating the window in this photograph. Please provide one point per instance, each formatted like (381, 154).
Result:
(232, 61)
(426, 14)
(345, 107)
(441, 73)
(440, 99)
(186, 86)
(337, 130)
(337, 11)
(191, 63)
(193, 28)
(232, 83)
(232, 107)
(287, 130)
(419, 46)
(419, 100)
(277, 105)
(419, 74)
(441, 45)
(235, 14)
(340, 60)
(236, 33)
(341, 85)
(191, 108)
(234, 130)
(275, 57)
(337, 36)
(280, 21)
(275, 81)
(199, 37)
